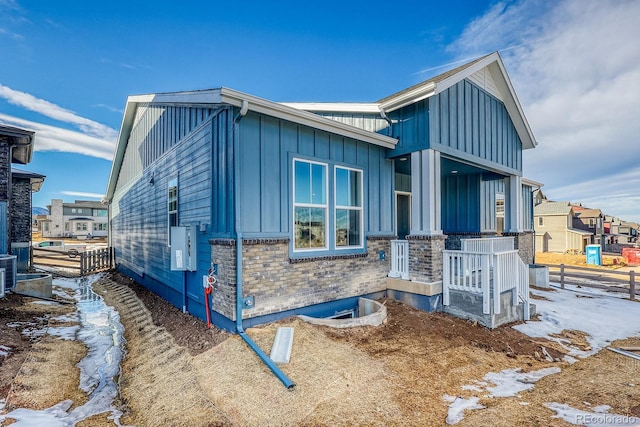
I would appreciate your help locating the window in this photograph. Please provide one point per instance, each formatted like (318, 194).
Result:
(314, 229)
(73, 210)
(540, 221)
(348, 199)
(66, 226)
(45, 226)
(310, 205)
(101, 226)
(81, 226)
(592, 222)
(172, 207)
(100, 212)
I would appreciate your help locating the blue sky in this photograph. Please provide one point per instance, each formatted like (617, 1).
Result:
(68, 67)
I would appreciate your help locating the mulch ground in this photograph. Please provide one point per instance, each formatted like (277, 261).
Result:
(410, 362)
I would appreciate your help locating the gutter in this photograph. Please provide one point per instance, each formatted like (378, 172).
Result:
(238, 228)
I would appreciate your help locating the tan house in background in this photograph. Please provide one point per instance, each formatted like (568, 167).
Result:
(553, 224)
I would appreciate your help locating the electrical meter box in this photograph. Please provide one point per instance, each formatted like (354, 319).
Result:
(184, 248)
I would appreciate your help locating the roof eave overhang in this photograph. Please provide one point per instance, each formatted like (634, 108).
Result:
(21, 141)
(285, 112)
(407, 98)
(336, 107)
(236, 99)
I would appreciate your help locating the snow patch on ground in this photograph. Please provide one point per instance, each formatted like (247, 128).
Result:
(510, 382)
(4, 350)
(458, 405)
(65, 332)
(101, 331)
(506, 383)
(591, 419)
(604, 317)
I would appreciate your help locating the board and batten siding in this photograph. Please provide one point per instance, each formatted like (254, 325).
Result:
(468, 123)
(461, 203)
(266, 147)
(156, 128)
(370, 122)
(139, 215)
(411, 128)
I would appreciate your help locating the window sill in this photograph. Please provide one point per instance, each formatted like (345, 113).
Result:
(332, 257)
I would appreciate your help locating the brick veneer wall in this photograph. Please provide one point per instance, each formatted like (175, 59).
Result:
(279, 283)
(523, 242)
(21, 210)
(425, 258)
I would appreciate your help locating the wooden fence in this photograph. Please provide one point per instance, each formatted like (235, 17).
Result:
(73, 262)
(584, 275)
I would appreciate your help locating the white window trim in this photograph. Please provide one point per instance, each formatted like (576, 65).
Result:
(325, 206)
(353, 208)
(395, 221)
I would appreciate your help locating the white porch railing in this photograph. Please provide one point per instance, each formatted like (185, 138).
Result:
(399, 259)
(488, 274)
(488, 244)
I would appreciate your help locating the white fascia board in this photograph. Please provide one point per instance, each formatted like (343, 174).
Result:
(404, 99)
(209, 96)
(274, 109)
(123, 138)
(532, 183)
(337, 107)
(512, 104)
(465, 73)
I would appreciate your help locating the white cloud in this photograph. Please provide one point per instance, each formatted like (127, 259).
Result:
(81, 194)
(52, 138)
(49, 109)
(576, 68)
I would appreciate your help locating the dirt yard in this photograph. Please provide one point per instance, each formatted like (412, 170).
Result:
(608, 261)
(179, 373)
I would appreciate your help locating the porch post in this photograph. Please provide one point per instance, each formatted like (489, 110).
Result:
(513, 204)
(425, 193)
(426, 241)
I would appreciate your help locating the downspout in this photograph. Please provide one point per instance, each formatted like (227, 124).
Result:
(239, 304)
(383, 114)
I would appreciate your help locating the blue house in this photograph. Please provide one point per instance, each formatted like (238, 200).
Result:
(303, 208)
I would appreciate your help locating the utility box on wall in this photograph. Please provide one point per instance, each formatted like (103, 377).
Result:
(184, 248)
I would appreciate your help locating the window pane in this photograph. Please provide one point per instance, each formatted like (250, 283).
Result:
(302, 182)
(309, 228)
(318, 222)
(342, 187)
(348, 227)
(319, 181)
(348, 187)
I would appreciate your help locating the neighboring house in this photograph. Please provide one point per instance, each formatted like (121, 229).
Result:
(539, 197)
(16, 186)
(628, 232)
(553, 223)
(295, 208)
(81, 219)
(591, 220)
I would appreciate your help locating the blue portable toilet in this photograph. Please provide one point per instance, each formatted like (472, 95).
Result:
(594, 254)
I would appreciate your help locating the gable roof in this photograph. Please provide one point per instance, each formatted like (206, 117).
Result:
(589, 213)
(552, 208)
(493, 65)
(226, 96)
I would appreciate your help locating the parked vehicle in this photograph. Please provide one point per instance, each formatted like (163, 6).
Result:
(59, 245)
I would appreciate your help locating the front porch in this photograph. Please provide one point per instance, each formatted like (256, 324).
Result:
(486, 280)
